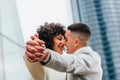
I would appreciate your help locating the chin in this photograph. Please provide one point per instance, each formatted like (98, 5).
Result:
(60, 52)
(69, 52)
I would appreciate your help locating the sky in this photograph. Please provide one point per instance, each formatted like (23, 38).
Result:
(33, 13)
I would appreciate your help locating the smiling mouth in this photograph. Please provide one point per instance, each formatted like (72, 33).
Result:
(61, 47)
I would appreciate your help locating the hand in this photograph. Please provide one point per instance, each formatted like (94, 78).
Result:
(34, 40)
(35, 54)
(34, 36)
(34, 49)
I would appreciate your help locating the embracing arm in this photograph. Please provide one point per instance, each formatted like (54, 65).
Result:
(67, 63)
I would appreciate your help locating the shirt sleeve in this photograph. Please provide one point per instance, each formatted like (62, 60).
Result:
(67, 63)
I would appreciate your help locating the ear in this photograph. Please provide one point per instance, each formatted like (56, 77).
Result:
(77, 42)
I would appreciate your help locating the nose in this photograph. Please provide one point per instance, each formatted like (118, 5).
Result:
(63, 42)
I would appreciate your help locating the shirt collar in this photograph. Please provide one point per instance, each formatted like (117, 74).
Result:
(83, 49)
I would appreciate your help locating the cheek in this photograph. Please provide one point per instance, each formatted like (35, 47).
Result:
(68, 45)
(55, 46)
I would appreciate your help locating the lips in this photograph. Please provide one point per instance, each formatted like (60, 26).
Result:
(61, 47)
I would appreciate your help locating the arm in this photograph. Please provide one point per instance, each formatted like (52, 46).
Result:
(67, 63)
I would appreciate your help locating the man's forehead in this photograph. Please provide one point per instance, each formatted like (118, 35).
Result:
(67, 32)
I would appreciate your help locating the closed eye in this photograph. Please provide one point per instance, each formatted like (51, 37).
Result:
(59, 39)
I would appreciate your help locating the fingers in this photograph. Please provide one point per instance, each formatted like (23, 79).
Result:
(36, 41)
(40, 48)
(34, 49)
(33, 42)
(44, 56)
(41, 42)
(30, 55)
(29, 58)
(36, 57)
(39, 55)
(36, 35)
(31, 49)
(33, 59)
(33, 54)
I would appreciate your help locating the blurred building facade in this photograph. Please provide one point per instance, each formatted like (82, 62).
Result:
(12, 66)
(104, 20)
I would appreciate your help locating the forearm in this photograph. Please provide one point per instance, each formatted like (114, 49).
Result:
(66, 63)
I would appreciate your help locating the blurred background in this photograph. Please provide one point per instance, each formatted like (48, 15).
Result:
(19, 20)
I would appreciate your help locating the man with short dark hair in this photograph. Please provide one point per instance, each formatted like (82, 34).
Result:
(81, 63)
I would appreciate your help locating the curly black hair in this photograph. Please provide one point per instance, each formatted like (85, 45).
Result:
(47, 32)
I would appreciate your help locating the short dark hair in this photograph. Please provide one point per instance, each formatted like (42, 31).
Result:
(47, 32)
(80, 28)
